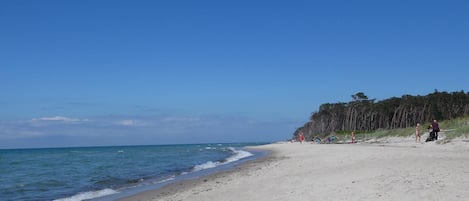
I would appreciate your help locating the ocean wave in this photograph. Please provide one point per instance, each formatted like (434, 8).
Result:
(89, 195)
(237, 155)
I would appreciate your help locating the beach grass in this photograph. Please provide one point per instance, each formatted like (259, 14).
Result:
(454, 128)
(368, 135)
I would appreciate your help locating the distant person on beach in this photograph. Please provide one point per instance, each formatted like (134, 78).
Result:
(435, 128)
(417, 133)
(331, 139)
(317, 140)
(353, 137)
(301, 137)
(431, 134)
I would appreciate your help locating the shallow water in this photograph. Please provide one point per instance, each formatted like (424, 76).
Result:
(93, 172)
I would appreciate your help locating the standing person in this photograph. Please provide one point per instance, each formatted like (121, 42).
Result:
(301, 137)
(417, 133)
(435, 128)
(353, 137)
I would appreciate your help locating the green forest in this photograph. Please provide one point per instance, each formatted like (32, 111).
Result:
(365, 115)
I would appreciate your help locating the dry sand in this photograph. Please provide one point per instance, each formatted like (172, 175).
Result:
(392, 169)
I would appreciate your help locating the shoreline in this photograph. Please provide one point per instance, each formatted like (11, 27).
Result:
(397, 170)
(173, 188)
(243, 155)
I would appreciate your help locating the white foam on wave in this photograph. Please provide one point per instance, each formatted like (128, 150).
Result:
(238, 155)
(89, 195)
(207, 165)
(171, 178)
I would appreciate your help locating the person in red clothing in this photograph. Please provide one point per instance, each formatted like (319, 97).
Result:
(301, 137)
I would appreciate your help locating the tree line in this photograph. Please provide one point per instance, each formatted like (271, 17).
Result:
(364, 114)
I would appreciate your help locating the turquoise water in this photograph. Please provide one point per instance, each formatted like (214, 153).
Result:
(93, 172)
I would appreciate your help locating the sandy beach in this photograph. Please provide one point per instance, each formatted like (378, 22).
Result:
(388, 169)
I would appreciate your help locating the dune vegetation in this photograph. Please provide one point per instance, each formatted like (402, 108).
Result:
(390, 117)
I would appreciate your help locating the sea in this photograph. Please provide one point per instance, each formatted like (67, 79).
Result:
(109, 173)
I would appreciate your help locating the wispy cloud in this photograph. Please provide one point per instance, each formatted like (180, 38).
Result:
(131, 122)
(60, 119)
(122, 129)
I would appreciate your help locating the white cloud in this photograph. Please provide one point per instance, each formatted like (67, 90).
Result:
(138, 129)
(130, 122)
(59, 118)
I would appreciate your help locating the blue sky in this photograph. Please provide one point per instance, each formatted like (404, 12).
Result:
(88, 73)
